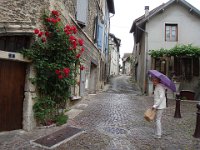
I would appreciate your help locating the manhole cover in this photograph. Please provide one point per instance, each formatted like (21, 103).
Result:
(57, 138)
(114, 130)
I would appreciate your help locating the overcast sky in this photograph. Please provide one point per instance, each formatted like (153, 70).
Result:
(126, 11)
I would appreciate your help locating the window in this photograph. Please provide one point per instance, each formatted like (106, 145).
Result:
(186, 67)
(171, 32)
(160, 65)
(14, 43)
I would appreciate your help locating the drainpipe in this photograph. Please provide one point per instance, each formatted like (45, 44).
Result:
(146, 59)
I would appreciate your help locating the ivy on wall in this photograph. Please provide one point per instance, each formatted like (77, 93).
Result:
(178, 50)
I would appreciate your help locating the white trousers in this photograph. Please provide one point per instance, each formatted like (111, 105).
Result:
(158, 122)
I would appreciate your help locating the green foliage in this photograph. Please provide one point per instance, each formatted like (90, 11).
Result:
(178, 50)
(61, 119)
(55, 55)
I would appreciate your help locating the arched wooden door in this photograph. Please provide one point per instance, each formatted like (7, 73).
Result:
(12, 80)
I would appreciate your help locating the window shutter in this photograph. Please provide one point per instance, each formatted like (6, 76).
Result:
(82, 11)
(106, 42)
(196, 66)
(100, 35)
(95, 29)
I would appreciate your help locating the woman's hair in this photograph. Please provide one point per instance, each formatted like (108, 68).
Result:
(155, 78)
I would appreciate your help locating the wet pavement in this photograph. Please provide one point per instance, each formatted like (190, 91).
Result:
(113, 120)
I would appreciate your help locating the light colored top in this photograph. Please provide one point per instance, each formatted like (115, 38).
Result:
(159, 97)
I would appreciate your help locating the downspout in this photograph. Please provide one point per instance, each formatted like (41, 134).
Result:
(146, 60)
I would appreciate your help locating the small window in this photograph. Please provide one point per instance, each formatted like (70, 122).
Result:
(171, 32)
(14, 43)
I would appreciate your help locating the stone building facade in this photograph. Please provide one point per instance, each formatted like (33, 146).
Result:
(18, 19)
(114, 55)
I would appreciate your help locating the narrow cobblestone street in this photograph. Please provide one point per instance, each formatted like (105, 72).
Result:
(113, 120)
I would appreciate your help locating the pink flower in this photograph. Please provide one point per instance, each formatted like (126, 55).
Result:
(66, 71)
(82, 67)
(81, 42)
(74, 29)
(55, 13)
(78, 55)
(60, 76)
(40, 34)
(47, 34)
(36, 31)
(67, 32)
(74, 45)
(48, 19)
(57, 71)
(72, 38)
(54, 20)
(58, 19)
(44, 39)
(82, 49)
(67, 27)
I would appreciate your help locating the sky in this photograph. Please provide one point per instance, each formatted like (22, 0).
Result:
(126, 11)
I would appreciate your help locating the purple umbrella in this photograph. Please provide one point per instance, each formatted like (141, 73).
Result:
(163, 79)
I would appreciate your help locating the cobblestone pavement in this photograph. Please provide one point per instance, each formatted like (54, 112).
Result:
(113, 120)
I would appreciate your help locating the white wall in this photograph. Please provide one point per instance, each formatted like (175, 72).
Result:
(114, 64)
(127, 68)
(188, 28)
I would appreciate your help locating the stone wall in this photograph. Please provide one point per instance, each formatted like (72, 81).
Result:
(22, 16)
(22, 10)
(92, 13)
(92, 54)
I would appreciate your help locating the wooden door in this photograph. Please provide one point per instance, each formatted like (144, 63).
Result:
(12, 79)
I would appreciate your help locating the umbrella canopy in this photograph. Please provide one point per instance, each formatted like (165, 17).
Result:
(163, 79)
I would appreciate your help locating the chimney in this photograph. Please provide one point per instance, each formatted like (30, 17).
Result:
(146, 8)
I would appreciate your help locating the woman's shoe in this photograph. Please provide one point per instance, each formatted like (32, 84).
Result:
(157, 136)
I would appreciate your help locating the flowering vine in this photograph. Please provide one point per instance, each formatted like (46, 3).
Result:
(55, 54)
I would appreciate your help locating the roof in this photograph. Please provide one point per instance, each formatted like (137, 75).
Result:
(111, 6)
(126, 56)
(116, 40)
(142, 20)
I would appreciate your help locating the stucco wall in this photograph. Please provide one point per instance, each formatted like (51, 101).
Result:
(188, 28)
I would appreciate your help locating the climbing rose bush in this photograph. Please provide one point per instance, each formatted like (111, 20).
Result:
(55, 55)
